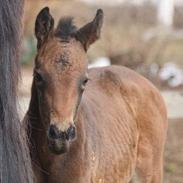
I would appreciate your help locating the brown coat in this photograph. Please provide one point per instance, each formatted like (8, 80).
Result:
(121, 127)
(119, 116)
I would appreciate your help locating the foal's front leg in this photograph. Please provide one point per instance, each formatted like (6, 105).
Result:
(150, 165)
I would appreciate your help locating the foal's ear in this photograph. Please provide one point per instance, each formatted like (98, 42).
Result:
(43, 26)
(89, 33)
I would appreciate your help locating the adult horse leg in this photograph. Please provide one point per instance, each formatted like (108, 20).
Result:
(15, 165)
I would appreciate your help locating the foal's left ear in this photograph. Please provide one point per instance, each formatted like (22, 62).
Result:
(91, 31)
(43, 26)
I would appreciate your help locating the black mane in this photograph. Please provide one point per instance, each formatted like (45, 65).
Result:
(65, 28)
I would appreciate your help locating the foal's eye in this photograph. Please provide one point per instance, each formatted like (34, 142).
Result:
(83, 84)
(39, 79)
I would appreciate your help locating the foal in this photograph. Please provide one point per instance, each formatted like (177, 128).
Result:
(90, 126)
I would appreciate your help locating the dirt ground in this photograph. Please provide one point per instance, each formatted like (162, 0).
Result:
(174, 152)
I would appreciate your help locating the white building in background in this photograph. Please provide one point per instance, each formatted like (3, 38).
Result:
(165, 8)
(116, 2)
(137, 2)
(165, 12)
(100, 62)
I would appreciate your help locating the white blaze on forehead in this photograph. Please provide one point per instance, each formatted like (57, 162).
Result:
(60, 123)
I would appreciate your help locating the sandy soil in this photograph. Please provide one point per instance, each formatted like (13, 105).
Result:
(174, 152)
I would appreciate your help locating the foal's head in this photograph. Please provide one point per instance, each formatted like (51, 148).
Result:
(60, 73)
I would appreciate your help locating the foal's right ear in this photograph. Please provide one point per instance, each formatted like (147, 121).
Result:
(89, 33)
(43, 26)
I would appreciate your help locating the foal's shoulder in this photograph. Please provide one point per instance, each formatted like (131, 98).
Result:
(111, 79)
(105, 76)
(114, 77)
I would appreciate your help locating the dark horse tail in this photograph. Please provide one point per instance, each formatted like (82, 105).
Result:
(15, 166)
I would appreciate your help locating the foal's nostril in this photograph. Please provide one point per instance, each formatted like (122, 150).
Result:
(53, 132)
(71, 132)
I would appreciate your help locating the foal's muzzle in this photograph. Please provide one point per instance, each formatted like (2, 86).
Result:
(58, 141)
(55, 133)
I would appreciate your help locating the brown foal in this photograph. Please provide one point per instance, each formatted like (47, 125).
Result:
(90, 126)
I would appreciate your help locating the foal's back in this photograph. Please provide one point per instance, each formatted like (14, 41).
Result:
(126, 124)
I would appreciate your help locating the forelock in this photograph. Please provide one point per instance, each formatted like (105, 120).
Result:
(65, 28)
